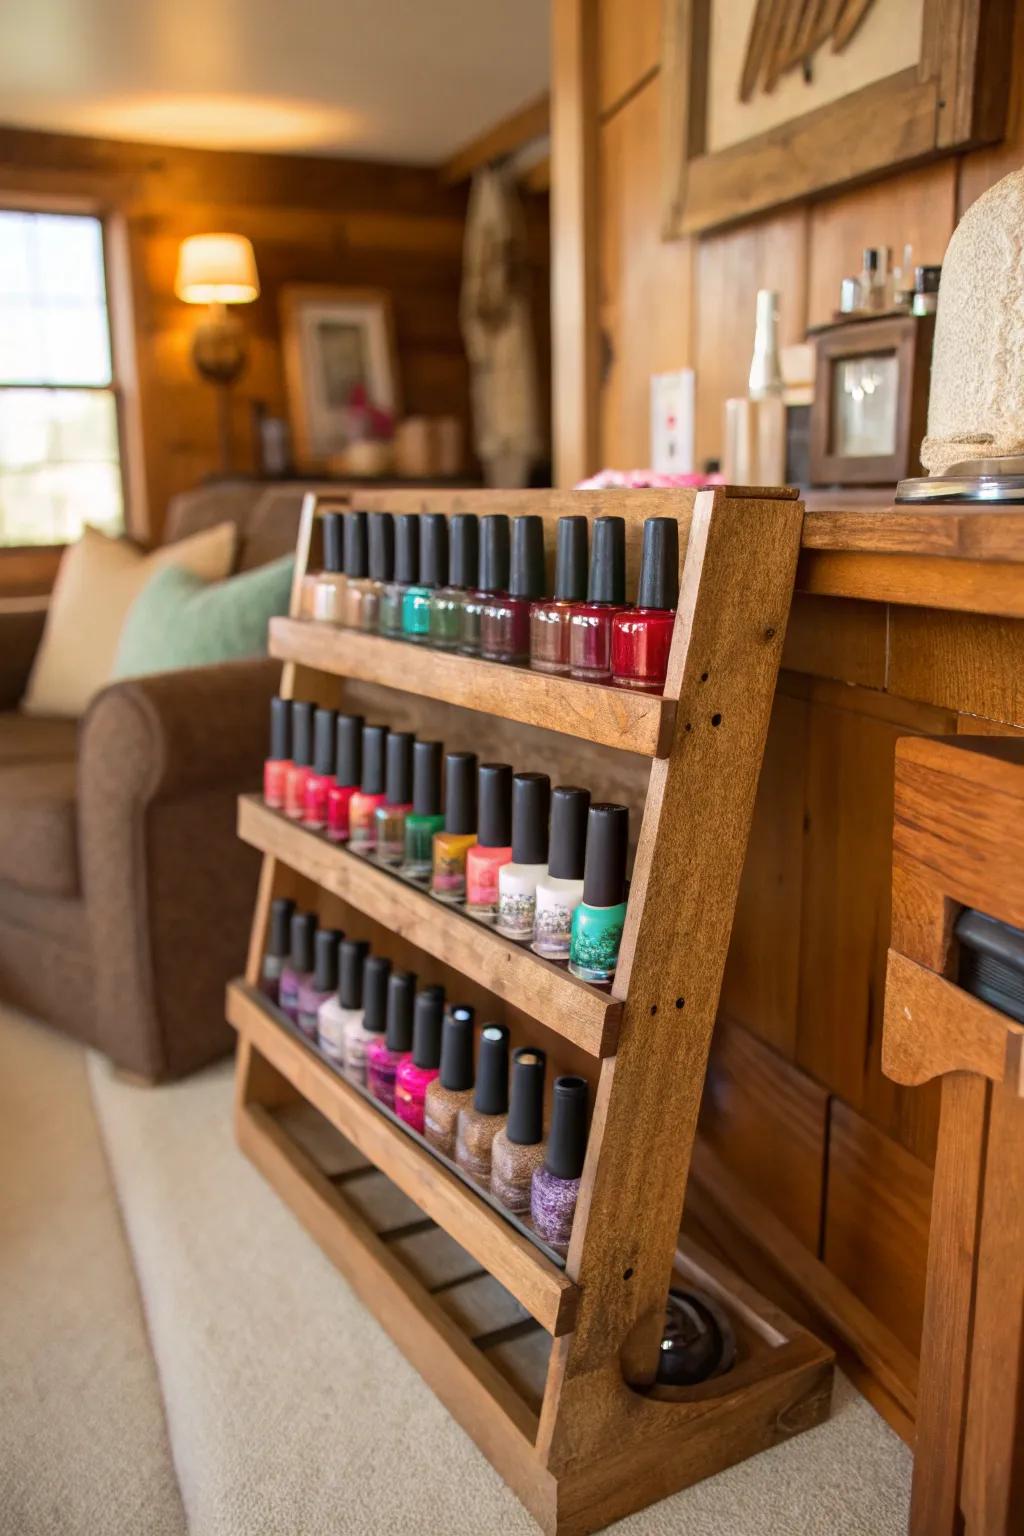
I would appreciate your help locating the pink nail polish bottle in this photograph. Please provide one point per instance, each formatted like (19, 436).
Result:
(275, 769)
(348, 758)
(362, 807)
(319, 779)
(493, 846)
(384, 1057)
(302, 758)
(417, 1072)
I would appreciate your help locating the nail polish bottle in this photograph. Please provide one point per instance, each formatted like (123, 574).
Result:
(381, 540)
(556, 1183)
(348, 770)
(448, 881)
(505, 620)
(590, 623)
(384, 1057)
(452, 1090)
(329, 591)
(518, 879)
(479, 1123)
(343, 1010)
(362, 807)
(407, 570)
(417, 1072)
(358, 587)
(642, 636)
(518, 1148)
(275, 769)
(370, 1029)
(493, 846)
(299, 970)
(426, 816)
(279, 943)
(302, 758)
(447, 602)
(598, 921)
(318, 782)
(560, 891)
(390, 815)
(316, 989)
(433, 573)
(549, 619)
(492, 578)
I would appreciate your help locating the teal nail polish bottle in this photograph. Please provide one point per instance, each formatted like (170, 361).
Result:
(426, 816)
(433, 573)
(406, 571)
(598, 921)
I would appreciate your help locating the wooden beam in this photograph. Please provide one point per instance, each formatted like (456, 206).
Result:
(504, 138)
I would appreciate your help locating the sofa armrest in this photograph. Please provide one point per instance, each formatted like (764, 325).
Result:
(21, 629)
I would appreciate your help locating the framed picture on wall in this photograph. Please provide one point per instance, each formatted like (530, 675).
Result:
(339, 353)
(769, 101)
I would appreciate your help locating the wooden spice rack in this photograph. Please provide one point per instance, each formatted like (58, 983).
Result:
(598, 1438)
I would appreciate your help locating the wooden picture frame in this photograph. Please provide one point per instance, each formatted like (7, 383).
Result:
(316, 409)
(953, 98)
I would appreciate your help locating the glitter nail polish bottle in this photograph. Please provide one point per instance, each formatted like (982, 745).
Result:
(407, 570)
(276, 766)
(329, 588)
(492, 578)
(505, 620)
(426, 816)
(560, 890)
(518, 1148)
(343, 1011)
(518, 879)
(590, 623)
(452, 1090)
(299, 970)
(358, 587)
(448, 881)
(279, 940)
(362, 807)
(348, 770)
(370, 1030)
(433, 573)
(480, 1123)
(320, 778)
(493, 846)
(642, 636)
(549, 618)
(302, 758)
(447, 602)
(416, 1073)
(556, 1183)
(390, 815)
(381, 561)
(598, 921)
(316, 989)
(384, 1057)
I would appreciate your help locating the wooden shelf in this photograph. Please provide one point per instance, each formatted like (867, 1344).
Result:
(611, 717)
(538, 1284)
(586, 1015)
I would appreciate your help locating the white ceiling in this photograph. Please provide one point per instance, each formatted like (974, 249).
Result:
(405, 80)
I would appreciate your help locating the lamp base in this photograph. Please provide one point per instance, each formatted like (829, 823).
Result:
(218, 346)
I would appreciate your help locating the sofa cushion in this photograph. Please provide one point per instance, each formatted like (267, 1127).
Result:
(38, 827)
(35, 738)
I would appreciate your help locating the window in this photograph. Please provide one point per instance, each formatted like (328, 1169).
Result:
(59, 452)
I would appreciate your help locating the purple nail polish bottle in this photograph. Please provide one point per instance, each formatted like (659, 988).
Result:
(556, 1183)
(299, 970)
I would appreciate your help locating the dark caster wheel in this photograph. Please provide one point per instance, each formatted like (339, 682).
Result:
(698, 1341)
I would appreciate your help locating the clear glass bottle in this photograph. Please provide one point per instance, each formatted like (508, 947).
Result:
(556, 1183)
(416, 1073)
(493, 846)
(424, 818)
(321, 775)
(481, 1121)
(407, 567)
(381, 560)
(492, 578)
(359, 589)
(275, 956)
(362, 806)
(391, 813)
(505, 620)
(518, 1148)
(359, 1037)
(314, 990)
(348, 757)
(446, 604)
(518, 879)
(299, 970)
(433, 573)
(327, 591)
(549, 618)
(642, 636)
(384, 1057)
(343, 1010)
(590, 623)
(598, 921)
(453, 842)
(872, 281)
(765, 377)
(560, 891)
(452, 1090)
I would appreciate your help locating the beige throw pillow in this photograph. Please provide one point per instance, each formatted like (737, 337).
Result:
(98, 580)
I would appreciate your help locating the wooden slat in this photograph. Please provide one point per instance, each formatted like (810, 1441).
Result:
(921, 581)
(500, 140)
(586, 1015)
(545, 1292)
(933, 1027)
(994, 533)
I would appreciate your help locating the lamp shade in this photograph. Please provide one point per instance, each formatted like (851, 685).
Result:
(216, 269)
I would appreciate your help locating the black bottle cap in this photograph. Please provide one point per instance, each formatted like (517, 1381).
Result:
(280, 730)
(604, 874)
(463, 549)
(428, 1017)
(526, 1101)
(531, 802)
(494, 802)
(433, 549)
(302, 733)
(355, 545)
(494, 553)
(926, 279)
(871, 259)
(381, 539)
(331, 526)
(323, 741)
(352, 956)
(567, 1143)
(607, 582)
(571, 559)
(569, 807)
(491, 1095)
(376, 974)
(279, 942)
(426, 778)
(349, 750)
(659, 564)
(457, 1050)
(401, 994)
(527, 573)
(372, 782)
(398, 788)
(460, 793)
(407, 548)
(325, 959)
(301, 941)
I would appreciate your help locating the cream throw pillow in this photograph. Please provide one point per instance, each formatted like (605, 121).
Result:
(98, 580)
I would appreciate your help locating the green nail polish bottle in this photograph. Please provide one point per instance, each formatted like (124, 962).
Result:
(426, 816)
(598, 921)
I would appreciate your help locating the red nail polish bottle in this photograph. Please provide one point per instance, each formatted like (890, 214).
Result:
(590, 623)
(505, 621)
(549, 619)
(348, 759)
(493, 846)
(302, 757)
(318, 782)
(362, 822)
(275, 769)
(642, 636)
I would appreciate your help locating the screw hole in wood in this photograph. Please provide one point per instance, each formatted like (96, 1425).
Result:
(716, 719)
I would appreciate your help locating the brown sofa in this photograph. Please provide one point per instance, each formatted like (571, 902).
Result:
(125, 896)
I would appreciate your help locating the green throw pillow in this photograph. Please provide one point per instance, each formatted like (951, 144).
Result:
(178, 620)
